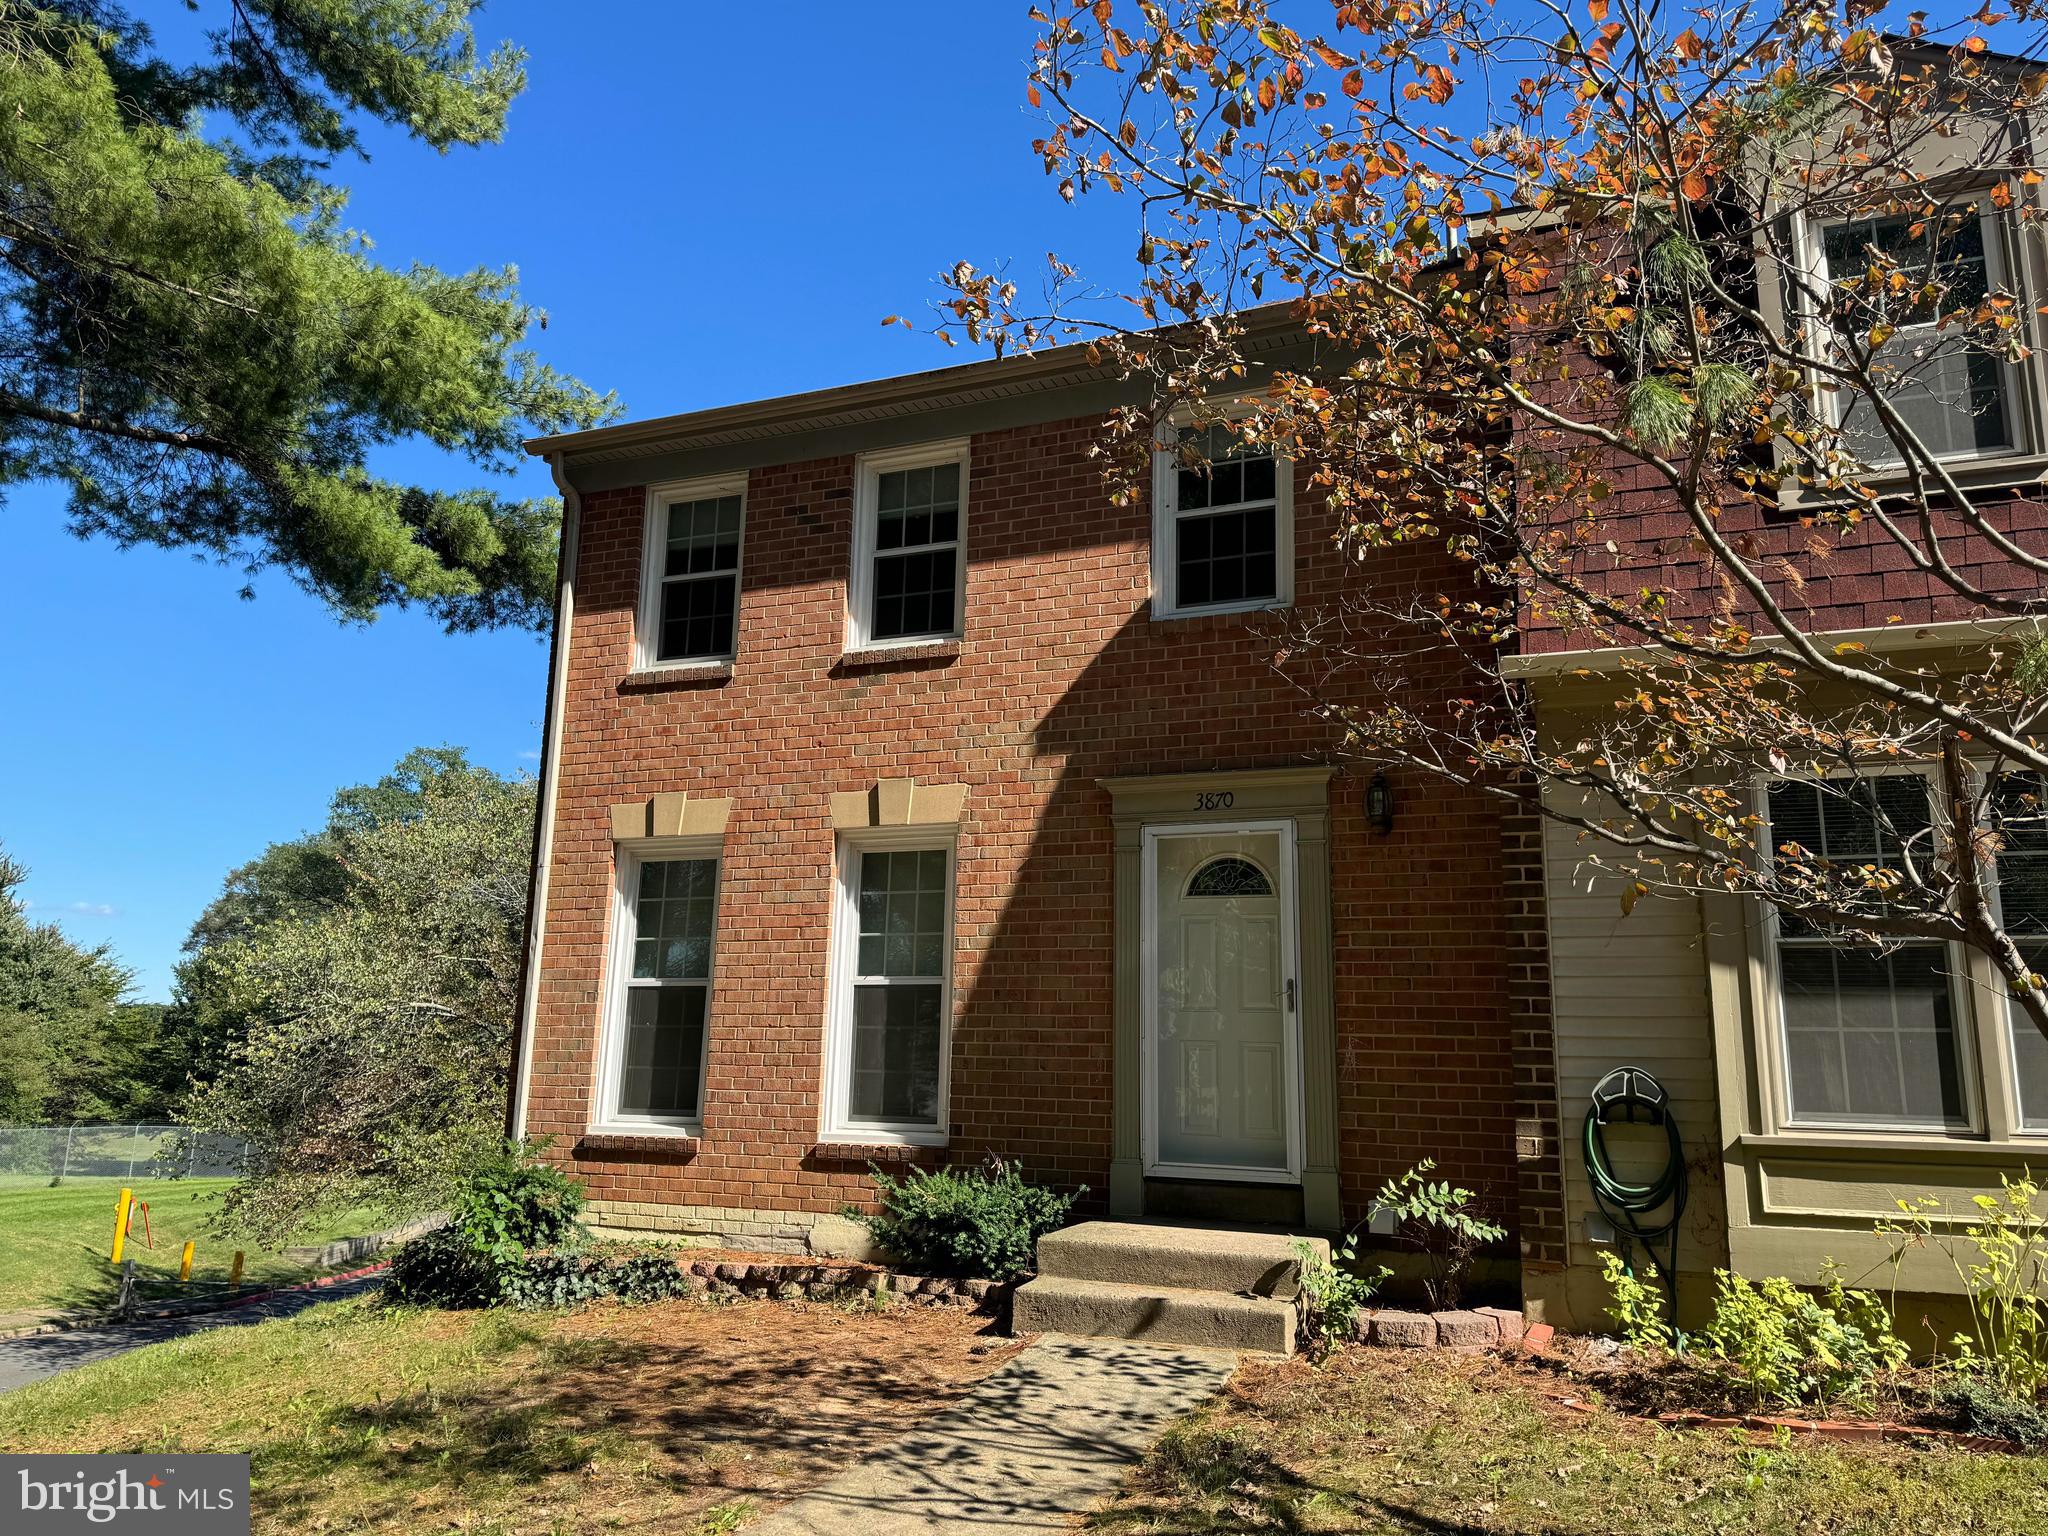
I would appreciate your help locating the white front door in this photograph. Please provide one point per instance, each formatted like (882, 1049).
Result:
(1223, 1093)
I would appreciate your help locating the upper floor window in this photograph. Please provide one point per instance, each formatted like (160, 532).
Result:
(690, 592)
(1222, 524)
(910, 545)
(1951, 387)
(1870, 1037)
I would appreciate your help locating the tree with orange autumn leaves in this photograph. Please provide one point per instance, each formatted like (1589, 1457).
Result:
(1677, 328)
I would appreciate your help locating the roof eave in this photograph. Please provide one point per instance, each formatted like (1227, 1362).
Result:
(900, 394)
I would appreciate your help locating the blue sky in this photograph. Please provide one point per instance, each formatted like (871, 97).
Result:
(700, 229)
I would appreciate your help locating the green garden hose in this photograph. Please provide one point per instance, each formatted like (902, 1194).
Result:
(1621, 1095)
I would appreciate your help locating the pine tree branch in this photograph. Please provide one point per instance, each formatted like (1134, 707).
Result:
(12, 404)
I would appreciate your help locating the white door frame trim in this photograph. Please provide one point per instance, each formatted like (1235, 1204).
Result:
(1291, 993)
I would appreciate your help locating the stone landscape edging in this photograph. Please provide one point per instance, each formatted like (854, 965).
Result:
(1468, 1329)
(343, 1250)
(809, 1280)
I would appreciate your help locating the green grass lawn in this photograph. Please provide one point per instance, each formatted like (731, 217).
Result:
(55, 1240)
(1389, 1442)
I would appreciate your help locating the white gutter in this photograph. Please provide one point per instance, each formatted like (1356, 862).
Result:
(1883, 640)
(544, 822)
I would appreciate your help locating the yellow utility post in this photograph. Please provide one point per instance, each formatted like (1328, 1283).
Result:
(235, 1274)
(121, 1210)
(185, 1265)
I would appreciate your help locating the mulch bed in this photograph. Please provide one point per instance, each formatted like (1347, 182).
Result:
(1684, 1393)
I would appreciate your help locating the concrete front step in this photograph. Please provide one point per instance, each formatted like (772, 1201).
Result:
(1156, 1254)
(1153, 1314)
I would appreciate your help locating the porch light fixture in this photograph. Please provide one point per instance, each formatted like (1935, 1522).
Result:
(1379, 804)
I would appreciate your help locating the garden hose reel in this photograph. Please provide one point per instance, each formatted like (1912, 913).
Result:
(1633, 1095)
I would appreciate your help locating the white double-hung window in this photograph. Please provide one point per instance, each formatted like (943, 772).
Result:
(1222, 523)
(1890, 1039)
(910, 546)
(892, 990)
(2020, 808)
(1869, 1038)
(690, 565)
(1952, 387)
(658, 1011)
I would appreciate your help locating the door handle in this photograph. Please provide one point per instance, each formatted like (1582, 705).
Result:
(1290, 994)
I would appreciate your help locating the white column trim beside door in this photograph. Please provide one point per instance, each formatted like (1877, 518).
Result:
(1292, 992)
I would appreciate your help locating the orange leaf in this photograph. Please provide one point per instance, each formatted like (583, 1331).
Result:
(1695, 187)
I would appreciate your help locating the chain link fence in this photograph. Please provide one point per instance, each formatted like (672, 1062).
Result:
(46, 1154)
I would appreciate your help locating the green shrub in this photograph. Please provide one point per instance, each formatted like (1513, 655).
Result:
(441, 1269)
(1332, 1289)
(1789, 1346)
(1638, 1304)
(1980, 1408)
(650, 1277)
(509, 1205)
(983, 1222)
(1443, 1221)
(514, 1200)
(541, 1282)
(2002, 1261)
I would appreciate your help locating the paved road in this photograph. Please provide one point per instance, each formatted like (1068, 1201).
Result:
(49, 1354)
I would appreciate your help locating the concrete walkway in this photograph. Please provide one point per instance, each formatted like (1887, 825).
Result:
(1044, 1439)
(40, 1355)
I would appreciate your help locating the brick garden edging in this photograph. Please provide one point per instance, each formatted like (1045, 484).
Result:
(798, 1280)
(1473, 1329)
(1763, 1426)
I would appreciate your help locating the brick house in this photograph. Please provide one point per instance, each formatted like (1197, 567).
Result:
(906, 801)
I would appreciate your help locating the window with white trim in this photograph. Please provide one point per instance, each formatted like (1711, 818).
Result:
(910, 546)
(660, 1005)
(1869, 1037)
(2020, 810)
(1959, 396)
(1222, 526)
(690, 597)
(892, 999)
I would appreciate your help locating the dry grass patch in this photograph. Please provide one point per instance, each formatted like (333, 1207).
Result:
(1390, 1442)
(676, 1416)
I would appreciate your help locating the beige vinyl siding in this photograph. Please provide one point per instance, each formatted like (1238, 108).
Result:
(1631, 990)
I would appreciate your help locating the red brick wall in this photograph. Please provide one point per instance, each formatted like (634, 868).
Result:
(1061, 679)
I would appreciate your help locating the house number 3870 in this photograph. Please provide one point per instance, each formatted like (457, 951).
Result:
(1218, 800)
